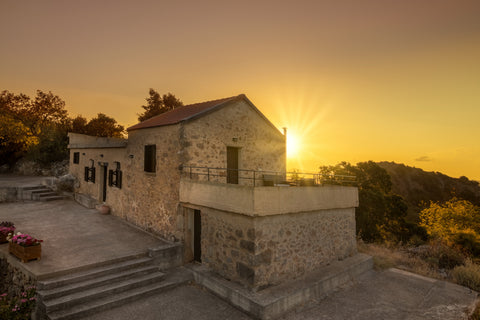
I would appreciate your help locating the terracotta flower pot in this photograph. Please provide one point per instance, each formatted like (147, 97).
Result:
(104, 209)
(25, 253)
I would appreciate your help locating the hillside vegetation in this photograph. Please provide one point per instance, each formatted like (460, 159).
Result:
(418, 187)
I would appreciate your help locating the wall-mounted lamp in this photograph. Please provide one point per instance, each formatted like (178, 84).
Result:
(101, 156)
(234, 139)
(83, 153)
(131, 156)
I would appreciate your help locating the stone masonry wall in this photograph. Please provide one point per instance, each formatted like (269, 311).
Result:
(262, 251)
(148, 200)
(108, 155)
(262, 147)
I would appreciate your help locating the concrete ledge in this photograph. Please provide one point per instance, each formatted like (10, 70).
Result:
(85, 200)
(167, 256)
(266, 201)
(272, 302)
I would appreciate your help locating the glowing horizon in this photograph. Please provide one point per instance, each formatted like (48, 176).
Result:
(352, 81)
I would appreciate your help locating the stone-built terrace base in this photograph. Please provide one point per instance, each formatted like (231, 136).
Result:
(272, 302)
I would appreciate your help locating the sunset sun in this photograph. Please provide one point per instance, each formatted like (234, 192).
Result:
(293, 145)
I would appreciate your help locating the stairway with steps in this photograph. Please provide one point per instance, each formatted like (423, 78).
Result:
(86, 292)
(38, 193)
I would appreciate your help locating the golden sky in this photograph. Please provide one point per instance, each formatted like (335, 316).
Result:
(381, 80)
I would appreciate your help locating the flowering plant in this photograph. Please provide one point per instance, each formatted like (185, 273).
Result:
(25, 240)
(6, 227)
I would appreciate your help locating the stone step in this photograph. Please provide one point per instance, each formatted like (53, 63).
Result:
(41, 191)
(43, 194)
(96, 293)
(31, 188)
(95, 271)
(96, 282)
(110, 301)
(52, 198)
(38, 193)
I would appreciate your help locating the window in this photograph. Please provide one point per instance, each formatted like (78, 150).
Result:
(150, 163)
(76, 157)
(90, 172)
(115, 176)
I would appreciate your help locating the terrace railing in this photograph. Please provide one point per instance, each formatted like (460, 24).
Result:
(258, 178)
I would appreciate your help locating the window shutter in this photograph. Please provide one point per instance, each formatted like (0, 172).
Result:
(119, 179)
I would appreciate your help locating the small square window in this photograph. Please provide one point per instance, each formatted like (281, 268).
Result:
(150, 163)
(76, 157)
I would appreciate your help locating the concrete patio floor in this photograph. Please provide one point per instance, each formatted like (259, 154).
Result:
(73, 236)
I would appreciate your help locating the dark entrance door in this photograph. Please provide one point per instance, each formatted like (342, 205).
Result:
(104, 183)
(232, 165)
(197, 236)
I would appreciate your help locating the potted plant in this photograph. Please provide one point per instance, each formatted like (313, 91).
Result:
(6, 227)
(25, 247)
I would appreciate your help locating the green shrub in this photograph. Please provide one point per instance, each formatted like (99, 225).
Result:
(18, 308)
(468, 242)
(468, 275)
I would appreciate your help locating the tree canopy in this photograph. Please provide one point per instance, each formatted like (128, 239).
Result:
(380, 215)
(37, 128)
(455, 222)
(157, 104)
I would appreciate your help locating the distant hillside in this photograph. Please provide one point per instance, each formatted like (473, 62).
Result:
(416, 185)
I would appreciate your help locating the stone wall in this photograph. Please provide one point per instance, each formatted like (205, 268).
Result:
(12, 280)
(262, 146)
(148, 200)
(262, 251)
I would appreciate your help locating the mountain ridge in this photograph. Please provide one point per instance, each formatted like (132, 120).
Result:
(419, 187)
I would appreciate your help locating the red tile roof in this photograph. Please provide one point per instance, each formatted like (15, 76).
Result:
(185, 113)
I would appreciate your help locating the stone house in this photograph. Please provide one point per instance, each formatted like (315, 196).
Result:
(197, 175)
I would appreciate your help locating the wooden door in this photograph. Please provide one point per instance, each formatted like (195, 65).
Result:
(232, 165)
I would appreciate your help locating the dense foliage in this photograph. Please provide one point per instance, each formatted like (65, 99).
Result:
(455, 222)
(37, 128)
(381, 213)
(20, 307)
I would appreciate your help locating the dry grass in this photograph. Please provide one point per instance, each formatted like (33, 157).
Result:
(468, 275)
(385, 257)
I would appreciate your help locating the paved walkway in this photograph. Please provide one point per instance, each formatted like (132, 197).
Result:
(388, 295)
(75, 236)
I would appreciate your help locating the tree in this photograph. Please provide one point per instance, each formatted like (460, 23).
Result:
(104, 126)
(157, 104)
(15, 139)
(381, 214)
(455, 222)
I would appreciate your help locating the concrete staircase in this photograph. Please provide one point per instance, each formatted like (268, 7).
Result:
(38, 193)
(101, 287)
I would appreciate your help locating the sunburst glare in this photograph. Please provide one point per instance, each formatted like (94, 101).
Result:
(303, 114)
